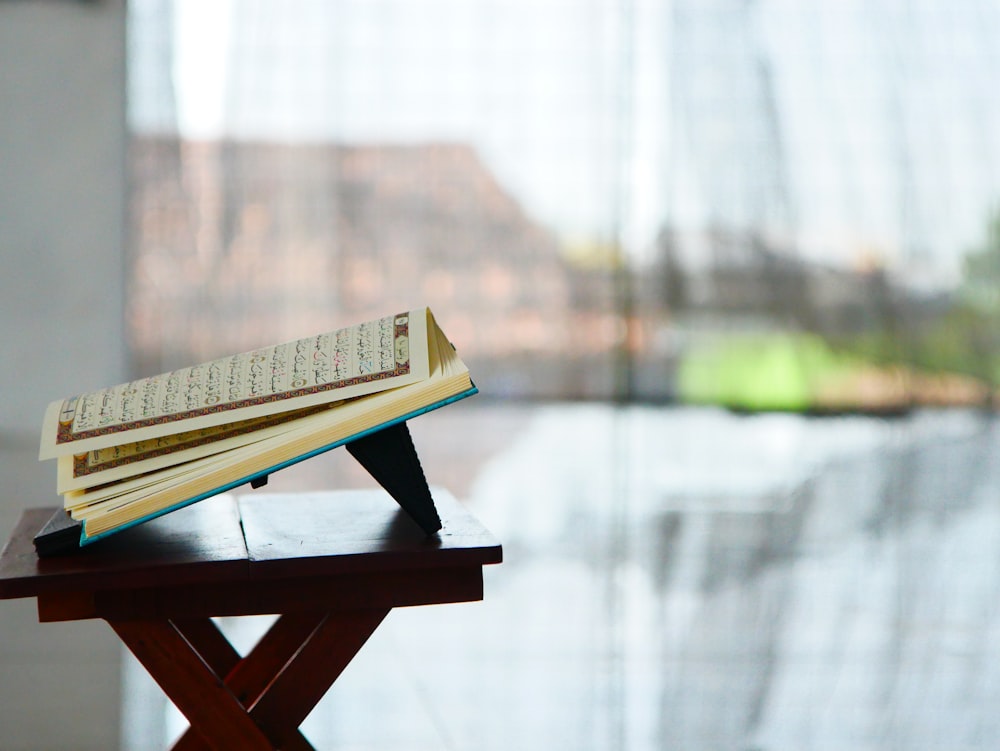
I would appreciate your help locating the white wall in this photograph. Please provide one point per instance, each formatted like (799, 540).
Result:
(62, 208)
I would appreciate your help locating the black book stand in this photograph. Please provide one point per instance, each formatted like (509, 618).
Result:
(391, 458)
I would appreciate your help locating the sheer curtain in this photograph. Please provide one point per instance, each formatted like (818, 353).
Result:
(617, 210)
(610, 185)
(329, 161)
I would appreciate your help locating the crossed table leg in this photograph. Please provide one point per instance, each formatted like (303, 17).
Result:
(254, 702)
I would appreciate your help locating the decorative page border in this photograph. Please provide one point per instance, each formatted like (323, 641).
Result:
(84, 467)
(65, 434)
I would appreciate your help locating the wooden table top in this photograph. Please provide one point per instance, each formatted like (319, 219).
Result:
(258, 537)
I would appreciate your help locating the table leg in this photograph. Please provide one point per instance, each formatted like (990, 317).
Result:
(195, 690)
(248, 677)
(209, 642)
(262, 698)
(308, 676)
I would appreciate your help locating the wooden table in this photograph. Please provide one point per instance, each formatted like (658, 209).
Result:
(331, 565)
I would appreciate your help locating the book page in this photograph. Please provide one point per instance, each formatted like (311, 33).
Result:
(101, 466)
(349, 362)
(116, 503)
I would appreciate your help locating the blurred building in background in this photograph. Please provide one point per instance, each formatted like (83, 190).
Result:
(241, 243)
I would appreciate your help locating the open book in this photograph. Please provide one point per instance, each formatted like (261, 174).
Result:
(135, 451)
